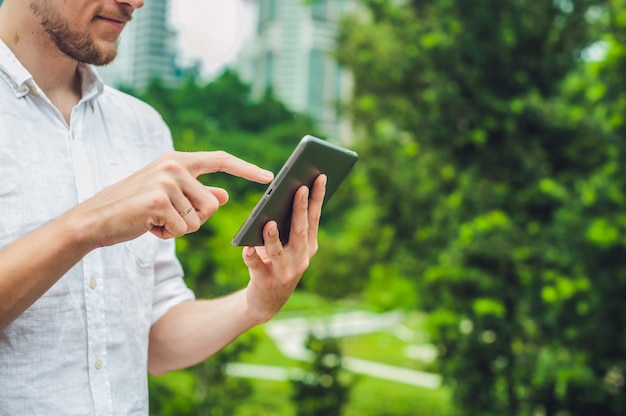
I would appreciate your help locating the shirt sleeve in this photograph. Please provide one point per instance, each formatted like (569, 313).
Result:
(169, 287)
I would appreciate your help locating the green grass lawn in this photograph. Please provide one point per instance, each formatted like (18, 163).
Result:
(269, 398)
(265, 352)
(369, 396)
(374, 397)
(382, 347)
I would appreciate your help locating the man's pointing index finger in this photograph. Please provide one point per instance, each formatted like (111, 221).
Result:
(200, 163)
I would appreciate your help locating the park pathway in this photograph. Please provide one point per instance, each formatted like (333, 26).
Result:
(290, 336)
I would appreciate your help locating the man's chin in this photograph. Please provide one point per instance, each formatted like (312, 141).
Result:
(100, 59)
(105, 62)
(110, 56)
(101, 53)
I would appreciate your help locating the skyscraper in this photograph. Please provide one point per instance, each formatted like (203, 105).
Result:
(292, 54)
(147, 49)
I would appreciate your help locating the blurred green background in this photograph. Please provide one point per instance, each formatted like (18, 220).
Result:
(473, 263)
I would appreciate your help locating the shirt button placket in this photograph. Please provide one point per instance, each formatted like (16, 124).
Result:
(93, 278)
(96, 333)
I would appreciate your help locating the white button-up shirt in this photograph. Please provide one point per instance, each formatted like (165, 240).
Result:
(81, 349)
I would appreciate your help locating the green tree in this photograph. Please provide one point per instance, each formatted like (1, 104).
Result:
(323, 389)
(496, 160)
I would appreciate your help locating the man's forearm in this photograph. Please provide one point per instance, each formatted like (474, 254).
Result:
(193, 331)
(32, 264)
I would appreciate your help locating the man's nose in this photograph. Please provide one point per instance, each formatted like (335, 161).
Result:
(135, 4)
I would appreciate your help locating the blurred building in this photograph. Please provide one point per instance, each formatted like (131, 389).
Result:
(292, 55)
(147, 49)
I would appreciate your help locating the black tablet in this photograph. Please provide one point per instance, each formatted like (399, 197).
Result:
(310, 158)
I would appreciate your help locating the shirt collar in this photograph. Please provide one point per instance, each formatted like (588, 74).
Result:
(21, 81)
(13, 72)
(92, 84)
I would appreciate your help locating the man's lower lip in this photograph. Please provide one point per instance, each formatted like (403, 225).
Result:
(115, 23)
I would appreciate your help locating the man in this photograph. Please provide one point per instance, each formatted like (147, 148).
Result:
(91, 197)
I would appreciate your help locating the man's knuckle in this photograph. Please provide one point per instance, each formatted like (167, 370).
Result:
(208, 208)
(222, 160)
(303, 265)
(276, 252)
(168, 183)
(220, 154)
(194, 225)
(158, 201)
(315, 217)
(173, 167)
(170, 162)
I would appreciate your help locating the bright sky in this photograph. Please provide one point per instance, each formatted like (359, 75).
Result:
(211, 30)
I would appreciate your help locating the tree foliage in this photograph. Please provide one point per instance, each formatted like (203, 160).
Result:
(495, 153)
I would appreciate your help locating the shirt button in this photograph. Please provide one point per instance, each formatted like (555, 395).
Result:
(92, 283)
(98, 364)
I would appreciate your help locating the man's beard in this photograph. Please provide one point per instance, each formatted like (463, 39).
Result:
(77, 45)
